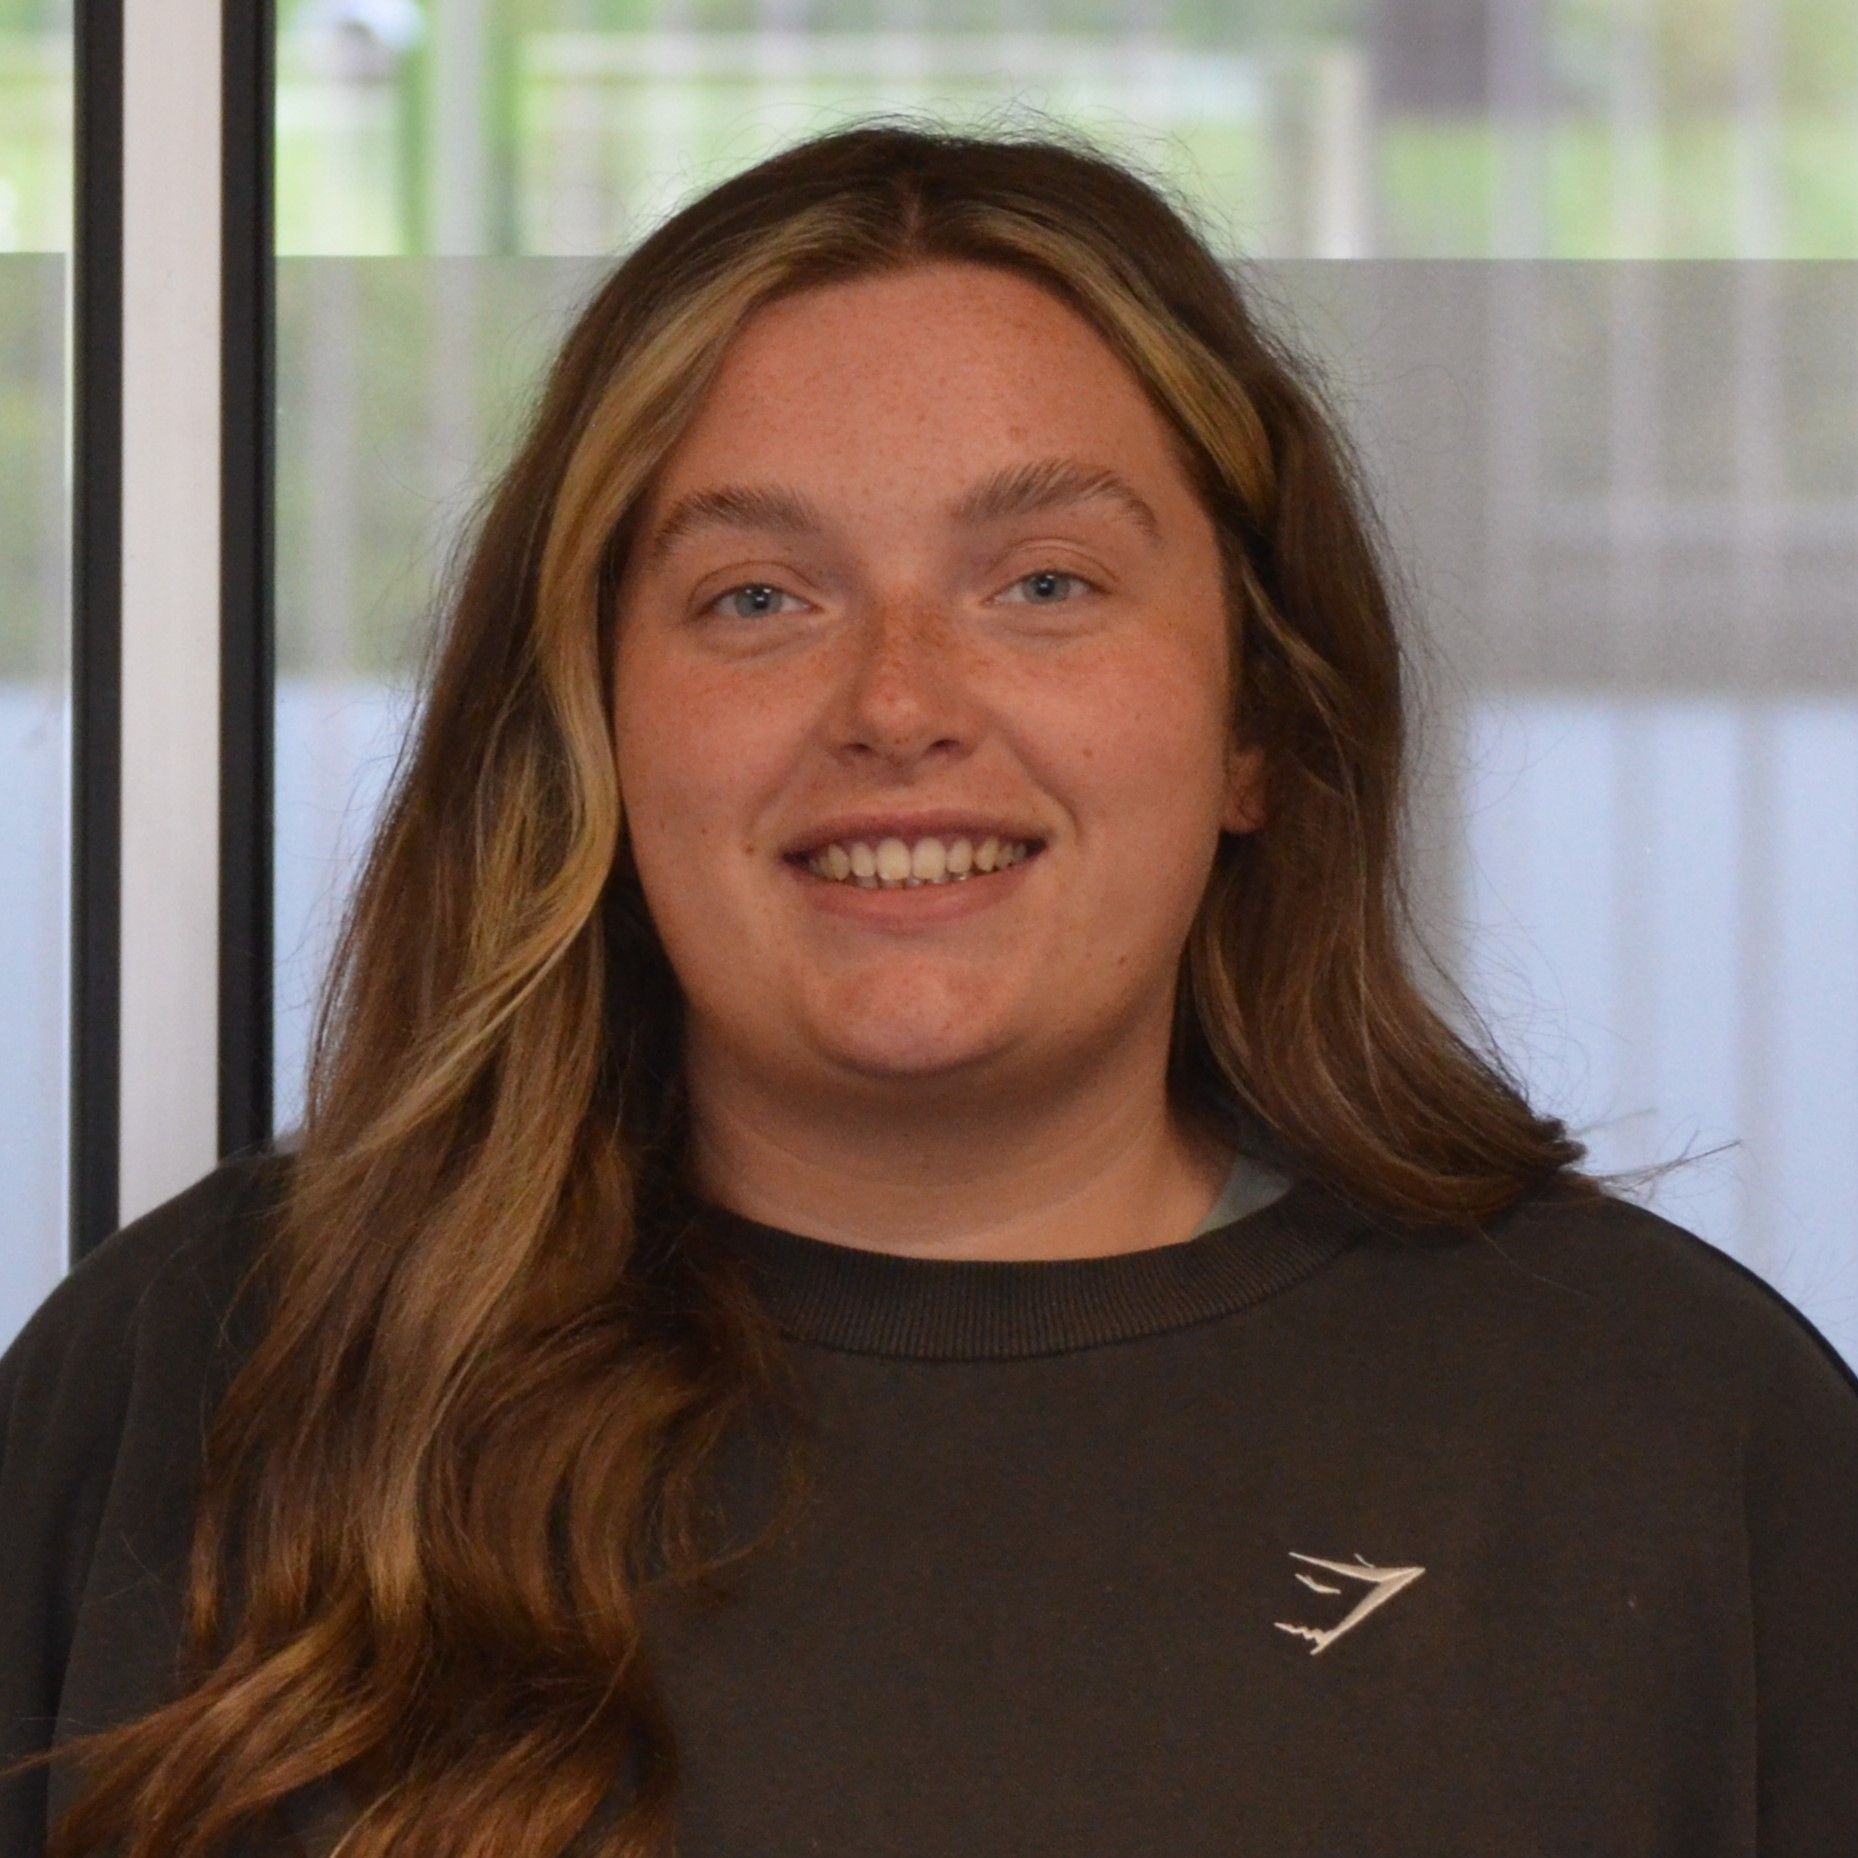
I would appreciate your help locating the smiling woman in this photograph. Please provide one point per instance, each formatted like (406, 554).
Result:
(878, 1183)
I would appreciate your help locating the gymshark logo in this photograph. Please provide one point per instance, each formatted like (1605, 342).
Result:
(1383, 1584)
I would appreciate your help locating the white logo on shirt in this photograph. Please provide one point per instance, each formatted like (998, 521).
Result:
(1384, 1583)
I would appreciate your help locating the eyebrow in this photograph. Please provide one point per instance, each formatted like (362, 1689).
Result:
(1014, 490)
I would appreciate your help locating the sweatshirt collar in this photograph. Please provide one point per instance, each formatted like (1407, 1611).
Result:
(884, 1303)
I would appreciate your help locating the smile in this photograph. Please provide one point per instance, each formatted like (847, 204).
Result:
(891, 865)
(913, 902)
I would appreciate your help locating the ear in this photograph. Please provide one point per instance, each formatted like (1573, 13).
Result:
(1245, 791)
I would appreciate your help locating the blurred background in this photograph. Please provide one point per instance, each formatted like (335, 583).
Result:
(1580, 278)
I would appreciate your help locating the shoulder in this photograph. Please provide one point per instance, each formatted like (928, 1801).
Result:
(1700, 1367)
(1698, 1324)
(103, 1398)
(166, 1281)
(1609, 1300)
(1674, 1286)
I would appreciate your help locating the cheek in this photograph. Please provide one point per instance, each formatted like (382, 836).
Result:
(681, 739)
(1143, 745)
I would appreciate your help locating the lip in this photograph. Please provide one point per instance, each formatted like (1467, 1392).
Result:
(905, 909)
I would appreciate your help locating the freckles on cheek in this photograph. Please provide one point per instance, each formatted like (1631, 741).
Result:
(722, 767)
(1144, 766)
(674, 720)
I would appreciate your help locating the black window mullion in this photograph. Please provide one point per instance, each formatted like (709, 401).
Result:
(247, 631)
(96, 625)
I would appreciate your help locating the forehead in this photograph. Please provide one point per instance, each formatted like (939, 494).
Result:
(913, 386)
(958, 310)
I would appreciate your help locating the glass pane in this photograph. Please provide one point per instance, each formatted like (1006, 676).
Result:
(36, 137)
(1626, 483)
(1330, 128)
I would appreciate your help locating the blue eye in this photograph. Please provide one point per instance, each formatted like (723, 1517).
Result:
(748, 587)
(1051, 574)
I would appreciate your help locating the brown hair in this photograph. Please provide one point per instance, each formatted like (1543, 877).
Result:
(495, 1344)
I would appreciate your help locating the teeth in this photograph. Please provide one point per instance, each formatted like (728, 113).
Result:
(893, 865)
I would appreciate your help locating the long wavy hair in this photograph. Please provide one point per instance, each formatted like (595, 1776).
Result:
(495, 1345)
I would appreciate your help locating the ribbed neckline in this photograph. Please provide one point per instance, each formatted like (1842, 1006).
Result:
(971, 1309)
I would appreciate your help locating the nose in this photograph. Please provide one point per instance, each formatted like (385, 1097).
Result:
(908, 681)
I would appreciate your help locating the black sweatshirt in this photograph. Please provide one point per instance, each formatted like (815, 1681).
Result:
(1291, 1538)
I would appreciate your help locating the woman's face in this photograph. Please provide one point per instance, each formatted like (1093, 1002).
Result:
(1058, 669)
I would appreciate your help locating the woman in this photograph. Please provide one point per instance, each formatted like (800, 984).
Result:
(886, 1257)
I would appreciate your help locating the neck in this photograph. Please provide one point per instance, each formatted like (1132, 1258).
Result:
(1089, 1180)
